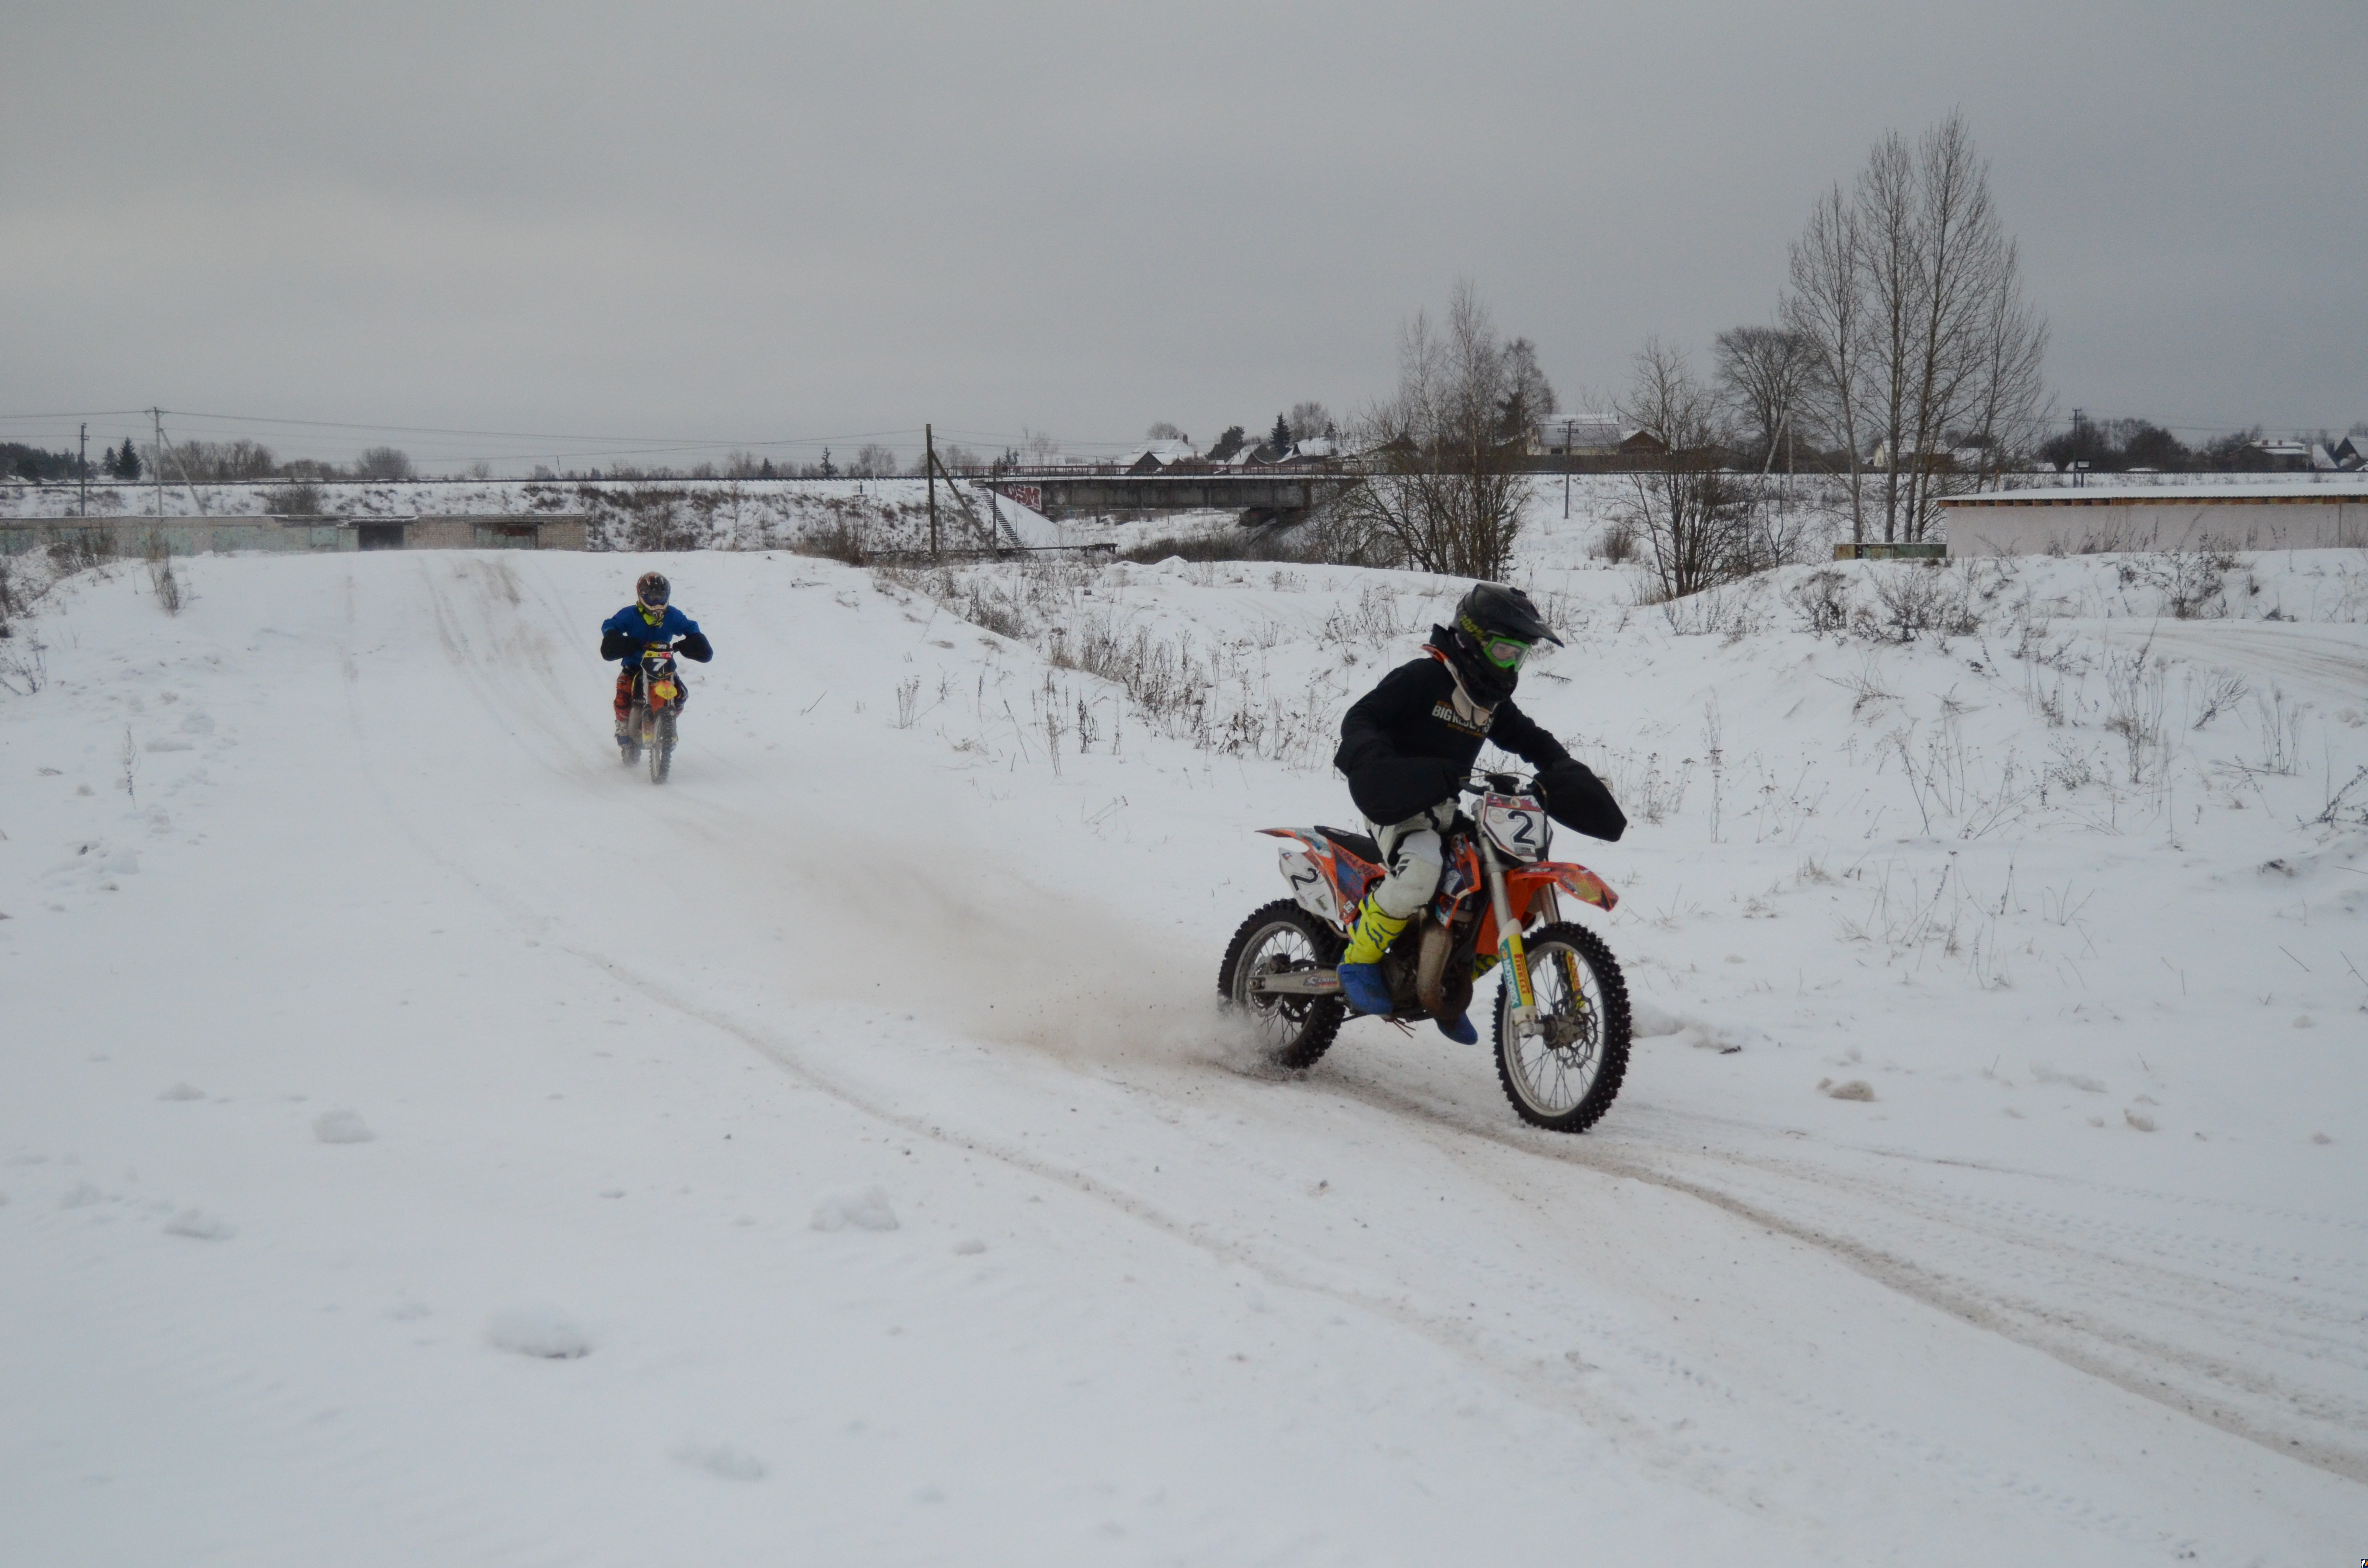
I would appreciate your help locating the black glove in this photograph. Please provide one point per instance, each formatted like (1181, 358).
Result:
(696, 646)
(616, 645)
(1577, 799)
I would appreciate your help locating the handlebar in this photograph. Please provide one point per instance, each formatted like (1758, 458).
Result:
(1502, 783)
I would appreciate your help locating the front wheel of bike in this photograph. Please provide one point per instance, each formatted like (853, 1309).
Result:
(1565, 1077)
(661, 747)
(1282, 939)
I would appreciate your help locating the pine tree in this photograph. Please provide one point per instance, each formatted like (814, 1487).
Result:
(127, 461)
(1279, 436)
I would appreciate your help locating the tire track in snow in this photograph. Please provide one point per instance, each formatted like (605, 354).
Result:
(1659, 1443)
(2090, 1343)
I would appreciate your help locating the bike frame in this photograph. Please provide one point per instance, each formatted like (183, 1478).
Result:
(1330, 881)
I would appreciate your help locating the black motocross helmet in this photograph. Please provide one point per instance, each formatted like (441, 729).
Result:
(1495, 626)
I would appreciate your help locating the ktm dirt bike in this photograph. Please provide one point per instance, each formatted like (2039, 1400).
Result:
(1562, 1007)
(649, 722)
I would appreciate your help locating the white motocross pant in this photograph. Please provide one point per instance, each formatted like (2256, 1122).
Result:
(1414, 853)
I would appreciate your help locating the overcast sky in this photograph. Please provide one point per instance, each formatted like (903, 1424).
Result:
(747, 222)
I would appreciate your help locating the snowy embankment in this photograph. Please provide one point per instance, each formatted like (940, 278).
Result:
(426, 1140)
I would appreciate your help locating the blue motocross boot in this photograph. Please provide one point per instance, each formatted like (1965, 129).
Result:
(1361, 966)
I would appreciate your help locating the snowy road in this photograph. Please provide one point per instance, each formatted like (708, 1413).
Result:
(620, 1047)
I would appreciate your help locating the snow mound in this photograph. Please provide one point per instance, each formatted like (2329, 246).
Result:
(542, 1332)
(2081, 1081)
(866, 1210)
(342, 1127)
(1690, 1026)
(198, 1225)
(721, 1459)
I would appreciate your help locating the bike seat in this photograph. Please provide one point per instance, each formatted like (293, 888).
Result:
(1356, 843)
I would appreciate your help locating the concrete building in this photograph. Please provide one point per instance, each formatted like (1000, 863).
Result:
(204, 536)
(2263, 515)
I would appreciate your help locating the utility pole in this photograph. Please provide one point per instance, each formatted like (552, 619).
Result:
(1565, 469)
(930, 466)
(157, 461)
(82, 466)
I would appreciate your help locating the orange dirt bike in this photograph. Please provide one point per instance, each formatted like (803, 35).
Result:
(649, 723)
(1562, 1007)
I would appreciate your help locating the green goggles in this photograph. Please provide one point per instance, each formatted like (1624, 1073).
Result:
(1505, 652)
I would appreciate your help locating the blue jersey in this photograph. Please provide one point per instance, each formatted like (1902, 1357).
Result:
(634, 623)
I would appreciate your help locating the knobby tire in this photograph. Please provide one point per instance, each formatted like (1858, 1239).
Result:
(1613, 1027)
(1305, 1034)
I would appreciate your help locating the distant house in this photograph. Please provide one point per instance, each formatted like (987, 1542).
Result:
(1158, 457)
(1580, 437)
(2352, 452)
(1314, 450)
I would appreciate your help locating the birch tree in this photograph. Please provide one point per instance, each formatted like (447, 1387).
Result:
(1910, 295)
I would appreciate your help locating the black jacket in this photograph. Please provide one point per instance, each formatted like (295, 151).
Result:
(1404, 749)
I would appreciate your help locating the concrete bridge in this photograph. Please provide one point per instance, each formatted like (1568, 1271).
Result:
(1266, 495)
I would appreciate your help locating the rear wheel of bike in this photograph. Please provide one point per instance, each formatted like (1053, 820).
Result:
(1283, 938)
(661, 746)
(1565, 1077)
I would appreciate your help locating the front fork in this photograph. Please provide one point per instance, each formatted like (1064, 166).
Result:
(1523, 1000)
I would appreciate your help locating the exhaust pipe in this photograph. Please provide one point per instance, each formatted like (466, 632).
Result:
(1430, 967)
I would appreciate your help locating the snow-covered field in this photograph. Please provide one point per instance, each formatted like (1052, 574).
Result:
(424, 1140)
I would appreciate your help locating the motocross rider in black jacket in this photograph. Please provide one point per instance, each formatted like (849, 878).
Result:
(1408, 746)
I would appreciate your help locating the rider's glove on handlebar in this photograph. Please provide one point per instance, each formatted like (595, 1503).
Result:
(1577, 799)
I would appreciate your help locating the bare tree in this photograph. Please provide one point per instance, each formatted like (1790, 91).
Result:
(1692, 516)
(872, 460)
(383, 463)
(1441, 488)
(1911, 294)
(1825, 303)
(1310, 420)
(221, 462)
(2009, 411)
(1165, 430)
(1529, 400)
(1763, 374)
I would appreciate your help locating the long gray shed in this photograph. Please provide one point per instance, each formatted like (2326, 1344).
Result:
(2301, 515)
